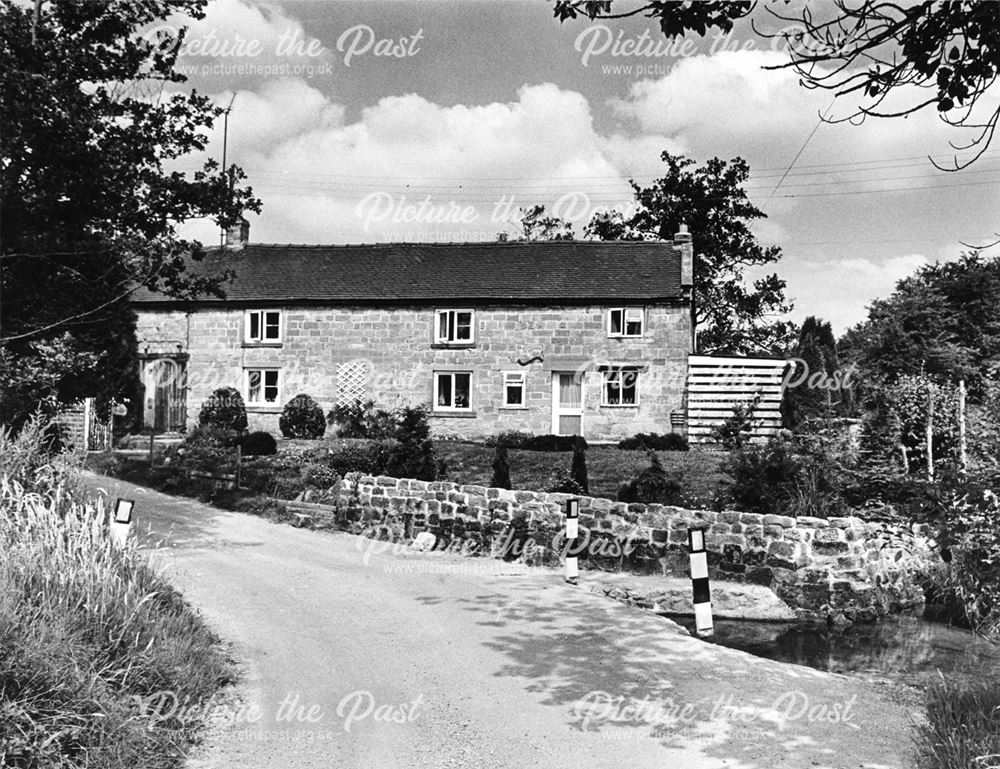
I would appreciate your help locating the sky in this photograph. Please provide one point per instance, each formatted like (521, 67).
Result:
(436, 120)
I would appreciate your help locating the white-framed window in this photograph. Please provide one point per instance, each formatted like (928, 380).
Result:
(263, 386)
(452, 390)
(620, 386)
(454, 327)
(263, 326)
(513, 389)
(625, 321)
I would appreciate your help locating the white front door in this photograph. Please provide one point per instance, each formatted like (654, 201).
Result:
(567, 404)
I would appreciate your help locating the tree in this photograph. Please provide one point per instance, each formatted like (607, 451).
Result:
(535, 225)
(883, 49)
(943, 321)
(674, 18)
(816, 361)
(876, 48)
(89, 210)
(731, 315)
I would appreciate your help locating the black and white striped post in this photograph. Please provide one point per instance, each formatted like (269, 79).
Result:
(699, 582)
(121, 522)
(572, 534)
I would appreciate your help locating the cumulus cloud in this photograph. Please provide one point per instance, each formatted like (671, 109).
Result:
(325, 180)
(840, 290)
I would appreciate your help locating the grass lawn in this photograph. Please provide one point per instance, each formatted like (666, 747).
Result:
(607, 468)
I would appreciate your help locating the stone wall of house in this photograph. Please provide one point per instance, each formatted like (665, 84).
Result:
(387, 355)
(841, 569)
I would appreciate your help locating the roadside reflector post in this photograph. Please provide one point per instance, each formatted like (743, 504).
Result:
(572, 535)
(699, 583)
(121, 524)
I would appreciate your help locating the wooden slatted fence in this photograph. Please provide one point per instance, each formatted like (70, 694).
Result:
(715, 385)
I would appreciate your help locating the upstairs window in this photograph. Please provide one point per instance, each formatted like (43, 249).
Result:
(263, 386)
(625, 321)
(454, 327)
(453, 391)
(621, 387)
(263, 327)
(513, 388)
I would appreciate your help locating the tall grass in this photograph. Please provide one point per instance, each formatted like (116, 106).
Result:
(963, 726)
(88, 630)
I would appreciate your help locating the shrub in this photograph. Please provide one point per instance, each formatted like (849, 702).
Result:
(362, 420)
(578, 469)
(794, 475)
(652, 484)
(320, 476)
(654, 442)
(762, 476)
(969, 534)
(224, 408)
(564, 483)
(512, 439)
(302, 418)
(501, 467)
(552, 442)
(207, 448)
(259, 444)
(367, 457)
(736, 431)
(413, 454)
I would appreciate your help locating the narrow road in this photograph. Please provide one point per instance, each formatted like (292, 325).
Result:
(379, 660)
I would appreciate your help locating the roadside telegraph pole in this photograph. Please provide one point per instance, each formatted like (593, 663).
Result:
(572, 534)
(699, 583)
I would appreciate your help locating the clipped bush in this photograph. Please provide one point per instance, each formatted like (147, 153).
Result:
(578, 470)
(654, 442)
(501, 468)
(302, 418)
(652, 485)
(259, 444)
(512, 439)
(552, 442)
(224, 408)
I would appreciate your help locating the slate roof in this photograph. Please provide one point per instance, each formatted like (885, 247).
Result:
(430, 272)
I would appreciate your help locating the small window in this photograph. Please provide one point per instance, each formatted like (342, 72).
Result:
(625, 321)
(263, 326)
(453, 391)
(513, 388)
(263, 385)
(621, 387)
(454, 327)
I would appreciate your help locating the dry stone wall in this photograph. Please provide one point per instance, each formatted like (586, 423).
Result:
(840, 570)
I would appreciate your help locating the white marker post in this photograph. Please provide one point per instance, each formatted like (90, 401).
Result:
(121, 526)
(699, 582)
(572, 533)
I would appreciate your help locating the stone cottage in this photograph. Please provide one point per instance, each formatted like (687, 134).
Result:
(565, 337)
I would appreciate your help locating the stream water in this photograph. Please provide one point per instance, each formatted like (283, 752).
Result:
(904, 650)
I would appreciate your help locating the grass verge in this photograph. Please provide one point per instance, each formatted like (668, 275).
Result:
(963, 726)
(96, 649)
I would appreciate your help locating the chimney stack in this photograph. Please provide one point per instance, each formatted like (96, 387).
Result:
(238, 234)
(682, 241)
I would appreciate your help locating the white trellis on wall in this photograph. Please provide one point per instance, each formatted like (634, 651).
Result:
(352, 382)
